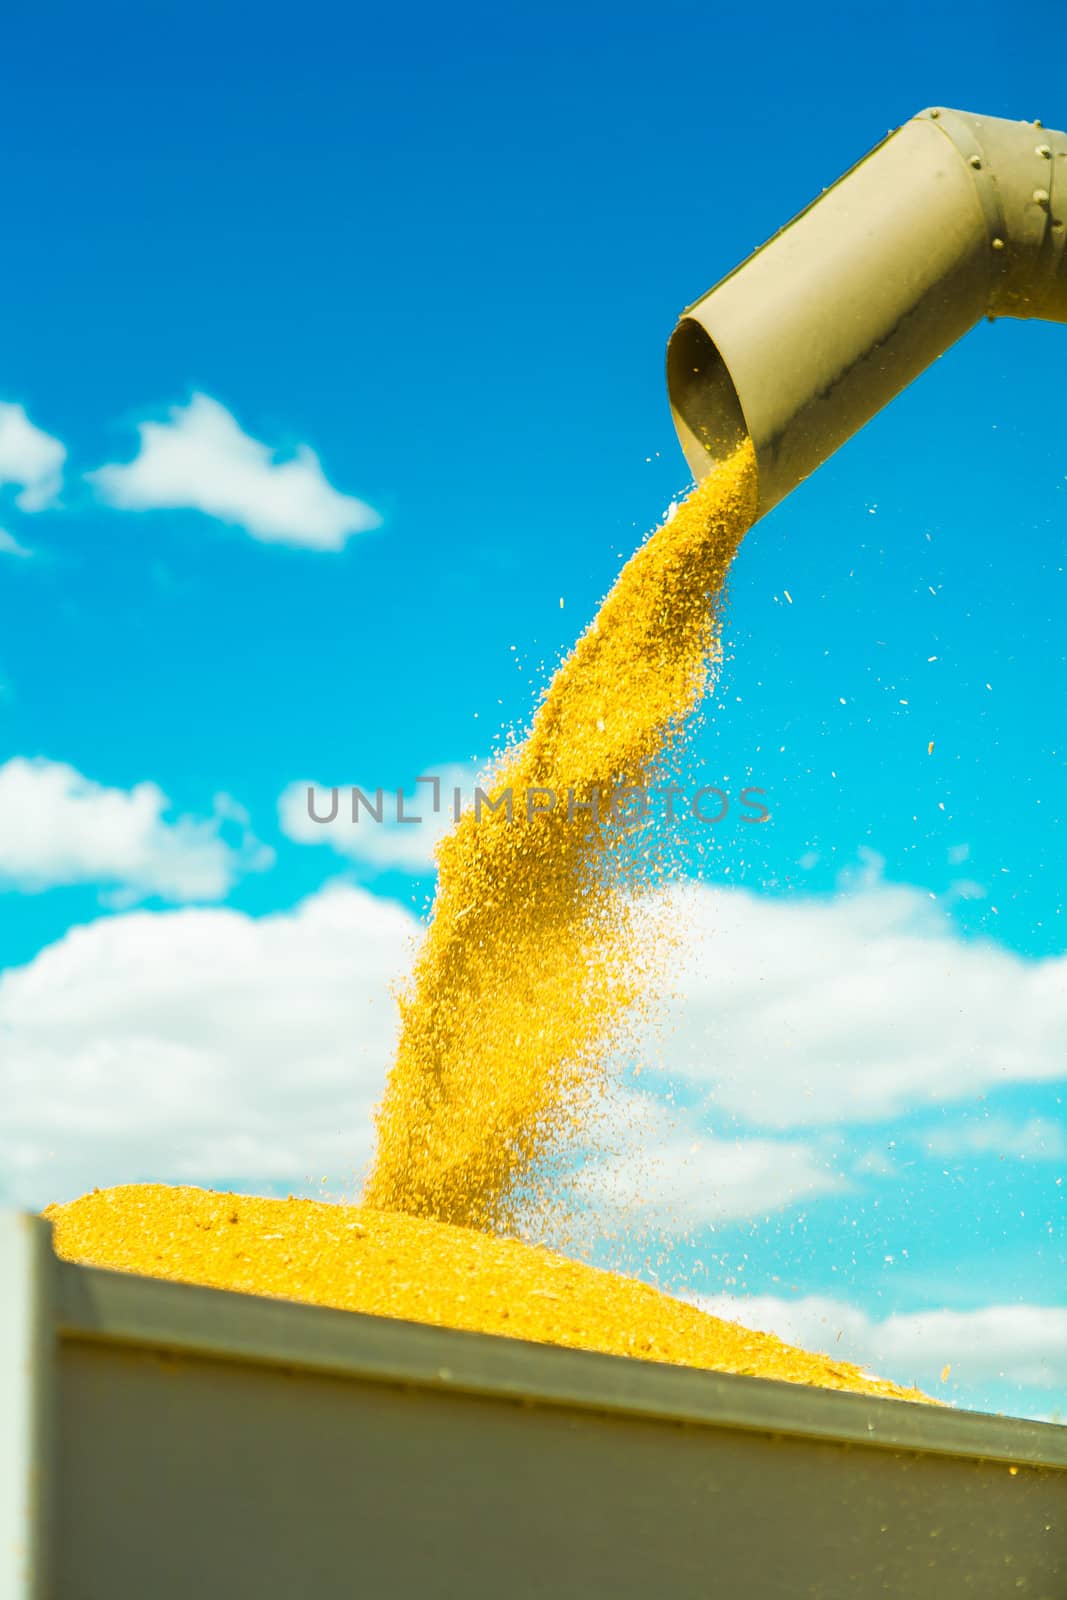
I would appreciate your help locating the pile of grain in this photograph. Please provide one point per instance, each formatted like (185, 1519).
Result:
(420, 1271)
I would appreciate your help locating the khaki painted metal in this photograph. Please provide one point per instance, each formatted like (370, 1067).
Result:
(162, 1440)
(952, 218)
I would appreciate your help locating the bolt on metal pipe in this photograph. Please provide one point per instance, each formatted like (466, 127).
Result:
(952, 218)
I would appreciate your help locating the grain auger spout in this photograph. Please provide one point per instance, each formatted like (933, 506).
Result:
(950, 219)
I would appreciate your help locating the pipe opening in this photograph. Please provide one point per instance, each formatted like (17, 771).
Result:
(707, 411)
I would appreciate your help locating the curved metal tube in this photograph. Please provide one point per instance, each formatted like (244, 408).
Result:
(952, 218)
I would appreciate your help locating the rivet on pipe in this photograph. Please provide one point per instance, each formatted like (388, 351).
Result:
(976, 162)
(1041, 197)
(1043, 150)
(998, 244)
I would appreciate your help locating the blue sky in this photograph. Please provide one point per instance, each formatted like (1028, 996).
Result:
(443, 252)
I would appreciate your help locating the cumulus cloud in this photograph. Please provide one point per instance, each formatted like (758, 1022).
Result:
(807, 1012)
(201, 460)
(59, 827)
(387, 845)
(200, 1044)
(810, 1012)
(661, 1171)
(1018, 1345)
(9, 545)
(30, 459)
(1037, 1139)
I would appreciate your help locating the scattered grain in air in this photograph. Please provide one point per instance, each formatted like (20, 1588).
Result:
(945, 1370)
(930, 748)
(788, 596)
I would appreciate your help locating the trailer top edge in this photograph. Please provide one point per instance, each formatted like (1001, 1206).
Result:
(189, 1321)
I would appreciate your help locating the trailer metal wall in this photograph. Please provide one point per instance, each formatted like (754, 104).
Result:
(188, 1442)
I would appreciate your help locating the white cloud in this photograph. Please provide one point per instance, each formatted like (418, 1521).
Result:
(30, 458)
(806, 1012)
(966, 889)
(198, 1045)
(661, 1171)
(201, 460)
(9, 545)
(58, 827)
(1023, 1345)
(388, 844)
(1038, 1139)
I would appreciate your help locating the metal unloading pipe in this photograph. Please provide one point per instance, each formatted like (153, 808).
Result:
(950, 219)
